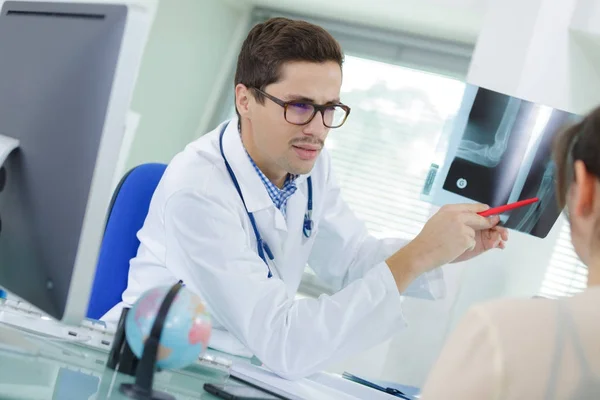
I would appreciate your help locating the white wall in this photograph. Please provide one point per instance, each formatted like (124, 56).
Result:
(182, 62)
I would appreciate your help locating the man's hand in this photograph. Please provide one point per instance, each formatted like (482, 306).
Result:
(455, 231)
(487, 239)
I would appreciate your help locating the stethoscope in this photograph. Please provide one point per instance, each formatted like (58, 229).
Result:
(261, 245)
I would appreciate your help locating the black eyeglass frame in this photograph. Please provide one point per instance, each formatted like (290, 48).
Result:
(316, 108)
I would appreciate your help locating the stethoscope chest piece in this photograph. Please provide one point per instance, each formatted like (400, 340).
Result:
(308, 225)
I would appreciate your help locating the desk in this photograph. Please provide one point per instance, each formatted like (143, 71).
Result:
(37, 368)
(34, 366)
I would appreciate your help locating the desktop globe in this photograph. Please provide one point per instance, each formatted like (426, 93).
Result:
(185, 333)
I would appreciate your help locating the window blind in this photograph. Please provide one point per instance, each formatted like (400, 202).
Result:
(566, 274)
(381, 156)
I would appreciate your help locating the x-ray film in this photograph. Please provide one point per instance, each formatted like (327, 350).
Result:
(498, 150)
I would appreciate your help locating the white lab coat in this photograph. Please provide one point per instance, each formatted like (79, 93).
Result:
(197, 230)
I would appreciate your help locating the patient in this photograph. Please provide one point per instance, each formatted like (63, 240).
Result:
(538, 348)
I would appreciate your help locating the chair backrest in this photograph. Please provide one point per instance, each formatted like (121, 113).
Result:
(126, 216)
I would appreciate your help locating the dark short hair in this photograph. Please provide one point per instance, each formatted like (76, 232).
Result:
(279, 40)
(580, 141)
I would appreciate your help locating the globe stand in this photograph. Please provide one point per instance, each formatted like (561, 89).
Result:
(144, 377)
(121, 357)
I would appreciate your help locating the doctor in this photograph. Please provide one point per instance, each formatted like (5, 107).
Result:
(242, 210)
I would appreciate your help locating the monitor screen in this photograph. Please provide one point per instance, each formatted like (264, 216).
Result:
(57, 69)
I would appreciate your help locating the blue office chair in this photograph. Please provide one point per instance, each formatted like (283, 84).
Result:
(127, 212)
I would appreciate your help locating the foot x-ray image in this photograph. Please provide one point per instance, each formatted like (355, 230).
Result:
(498, 150)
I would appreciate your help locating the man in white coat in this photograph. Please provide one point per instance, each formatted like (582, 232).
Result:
(241, 211)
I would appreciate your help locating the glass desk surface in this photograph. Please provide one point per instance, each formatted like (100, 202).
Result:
(39, 367)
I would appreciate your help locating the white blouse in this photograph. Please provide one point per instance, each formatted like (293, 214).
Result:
(522, 349)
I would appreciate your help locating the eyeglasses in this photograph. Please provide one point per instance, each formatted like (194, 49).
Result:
(302, 113)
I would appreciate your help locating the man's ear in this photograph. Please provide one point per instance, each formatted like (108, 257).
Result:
(242, 99)
(584, 190)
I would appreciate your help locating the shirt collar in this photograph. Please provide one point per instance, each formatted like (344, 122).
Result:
(277, 195)
(251, 185)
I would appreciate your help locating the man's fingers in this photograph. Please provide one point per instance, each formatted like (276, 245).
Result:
(502, 231)
(475, 208)
(500, 235)
(478, 222)
(468, 208)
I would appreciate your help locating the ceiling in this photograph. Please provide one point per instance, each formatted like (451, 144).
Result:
(458, 20)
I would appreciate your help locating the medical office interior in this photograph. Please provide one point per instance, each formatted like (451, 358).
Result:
(408, 64)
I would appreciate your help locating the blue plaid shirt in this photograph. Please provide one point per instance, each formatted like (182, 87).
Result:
(278, 196)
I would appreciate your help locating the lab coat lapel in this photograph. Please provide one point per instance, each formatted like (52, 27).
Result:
(293, 208)
(254, 191)
(288, 236)
(279, 221)
(269, 220)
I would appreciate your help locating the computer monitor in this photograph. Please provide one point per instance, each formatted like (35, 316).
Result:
(498, 150)
(67, 72)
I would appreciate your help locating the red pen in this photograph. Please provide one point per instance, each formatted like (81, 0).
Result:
(508, 207)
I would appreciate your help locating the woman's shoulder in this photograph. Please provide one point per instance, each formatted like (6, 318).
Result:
(536, 309)
(527, 329)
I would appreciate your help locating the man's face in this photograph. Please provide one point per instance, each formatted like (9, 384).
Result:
(277, 146)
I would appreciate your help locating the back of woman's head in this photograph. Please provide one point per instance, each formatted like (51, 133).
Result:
(579, 142)
(577, 157)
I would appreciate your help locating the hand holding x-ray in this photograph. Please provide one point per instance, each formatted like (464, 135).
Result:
(498, 150)
(455, 233)
(487, 239)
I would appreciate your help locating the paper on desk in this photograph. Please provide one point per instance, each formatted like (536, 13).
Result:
(295, 390)
(13, 340)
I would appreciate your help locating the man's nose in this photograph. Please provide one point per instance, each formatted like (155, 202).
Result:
(316, 126)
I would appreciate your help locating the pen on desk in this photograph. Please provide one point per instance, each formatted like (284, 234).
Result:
(389, 390)
(508, 207)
